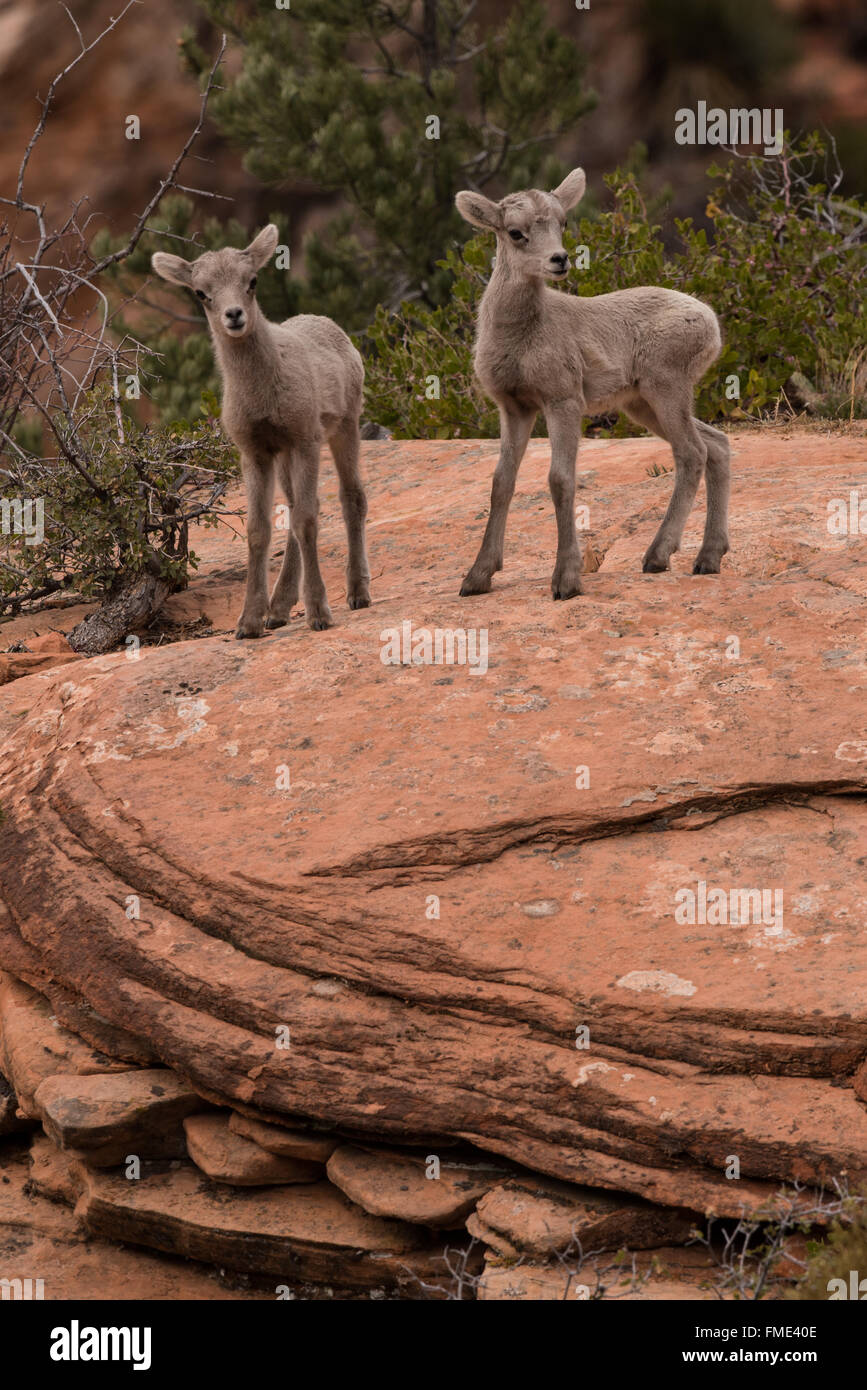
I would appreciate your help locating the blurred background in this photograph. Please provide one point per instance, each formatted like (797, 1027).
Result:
(642, 58)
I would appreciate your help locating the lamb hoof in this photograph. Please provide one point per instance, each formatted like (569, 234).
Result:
(707, 563)
(320, 619)
(249, 630)
(566, 583)
(359, 600)
(654, 566)
(275, 620)
(475, 585)
(566, 579)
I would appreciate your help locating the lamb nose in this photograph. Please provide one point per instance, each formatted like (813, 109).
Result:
(560, 259)
(234, 314)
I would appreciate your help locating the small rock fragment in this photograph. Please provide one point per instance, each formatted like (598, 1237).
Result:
(289, 1143)
(530, 1217)
(228, 1157)
(108, 1118)
(387, 1183)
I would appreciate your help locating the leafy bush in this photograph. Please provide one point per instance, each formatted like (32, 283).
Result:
(120, 504)
(415, 351)
(843, 1252)
(785, 271)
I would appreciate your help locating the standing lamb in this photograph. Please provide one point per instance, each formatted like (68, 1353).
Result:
(641, 351)
(286, 387)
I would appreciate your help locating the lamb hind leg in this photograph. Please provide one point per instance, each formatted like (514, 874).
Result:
(285, 593)
(715, 542)
(564, 429)
(516, 424)
(672, 421)
(258, 474)
(345, 446)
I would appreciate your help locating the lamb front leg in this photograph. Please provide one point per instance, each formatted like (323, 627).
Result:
(564, 430)
(305, 528)
(258, 474)
(516, 424)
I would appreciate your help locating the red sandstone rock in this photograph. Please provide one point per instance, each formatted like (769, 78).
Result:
(108, 1118)
(40, 1237)
(10, 1119)
(33, 1045)
(227, 1157)
(289, 1143)
(293, 1233)
(52, 1021)
(82, 145)
(41, 654)
(52, 1171)
(529, 1218)
(555, 1282)
(394, 1184)
(308, 907)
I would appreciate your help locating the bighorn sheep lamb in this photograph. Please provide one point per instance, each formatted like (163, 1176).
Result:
(286, 387)
(641, 351)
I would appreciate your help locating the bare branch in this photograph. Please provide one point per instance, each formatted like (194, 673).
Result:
(118, 499)
(52, 88)
(46, 306)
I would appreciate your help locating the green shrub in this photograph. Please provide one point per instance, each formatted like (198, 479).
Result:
(843, 1252)
(119, 501)
(415, 352)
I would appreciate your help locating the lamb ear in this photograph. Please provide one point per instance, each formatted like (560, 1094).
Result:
(173, 268)
(263, 246)
(479, 210)
(571, 190)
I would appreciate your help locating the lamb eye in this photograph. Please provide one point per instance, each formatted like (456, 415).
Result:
(515, 234)
(200, 294)
(253, 283)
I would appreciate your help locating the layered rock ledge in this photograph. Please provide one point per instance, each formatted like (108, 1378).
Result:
(425, 907)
